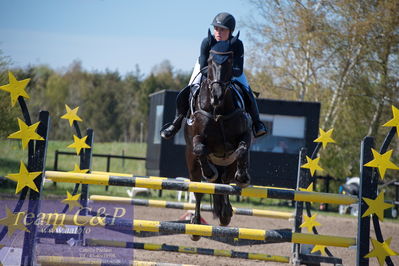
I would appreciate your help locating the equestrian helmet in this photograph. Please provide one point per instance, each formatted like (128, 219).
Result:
(224, 20)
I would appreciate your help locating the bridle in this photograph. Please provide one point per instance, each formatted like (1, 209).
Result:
(217, 118)
(224, 84)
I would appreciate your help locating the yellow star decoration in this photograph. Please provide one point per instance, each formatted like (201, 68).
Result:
(71, 115)
(382, 162)
(77, 169)
(320, 248)
(394, 122)
(310, 222)
(377, 206)
(325, 137)
(12, 223)
(26, 133)
(72, 201)
(15, 88)
(79, 143)
(312, 165)
(309, 188)
(381, 250)
(24, 178)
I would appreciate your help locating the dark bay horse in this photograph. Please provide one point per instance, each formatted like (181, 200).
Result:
(218, 133)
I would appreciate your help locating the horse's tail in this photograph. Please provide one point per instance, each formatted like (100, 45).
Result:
(221, 207)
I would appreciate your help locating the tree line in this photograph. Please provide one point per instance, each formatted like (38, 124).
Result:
(115, 107)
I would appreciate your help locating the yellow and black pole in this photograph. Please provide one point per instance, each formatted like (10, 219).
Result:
(79, 261)
(272, 236)
(185, 249)
(189, 206)
(207, 188)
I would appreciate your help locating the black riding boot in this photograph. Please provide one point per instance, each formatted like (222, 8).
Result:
(258, 127)
(182, 105)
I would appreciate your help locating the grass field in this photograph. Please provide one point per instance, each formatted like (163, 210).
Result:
(12, 153)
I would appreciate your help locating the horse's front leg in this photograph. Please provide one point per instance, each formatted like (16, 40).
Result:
(197, 215)
(242, 175)
(209, 171)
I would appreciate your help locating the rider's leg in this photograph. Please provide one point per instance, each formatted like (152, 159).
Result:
(182, 105)
(252, 107)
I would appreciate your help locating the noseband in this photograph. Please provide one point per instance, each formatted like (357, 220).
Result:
(225, 84)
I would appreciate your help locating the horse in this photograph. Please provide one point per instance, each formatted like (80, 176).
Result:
(218, 133)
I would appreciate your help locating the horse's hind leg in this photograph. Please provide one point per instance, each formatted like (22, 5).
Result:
(209, 171)
(226, 211)
(197, 215)
(221, 205)
(242, 176)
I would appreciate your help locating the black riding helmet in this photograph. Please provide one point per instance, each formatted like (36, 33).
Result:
(224, 20)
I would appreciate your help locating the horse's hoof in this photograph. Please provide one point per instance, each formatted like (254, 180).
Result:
(212, 179)
(243, 185)
(195, 237)
(211, 175)
(199, 149)
(242, 180)
(224, 221)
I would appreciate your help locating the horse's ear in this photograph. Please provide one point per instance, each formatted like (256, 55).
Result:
(234, 39)
(211, 39)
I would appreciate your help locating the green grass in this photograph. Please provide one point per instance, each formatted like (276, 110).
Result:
(12, 153)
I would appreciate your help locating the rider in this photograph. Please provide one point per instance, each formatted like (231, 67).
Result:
(224, 24)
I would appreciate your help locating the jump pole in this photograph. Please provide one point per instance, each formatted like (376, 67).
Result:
(184, 249)
(207, 188)
(275, 236)
(189, 206)
(78, 261)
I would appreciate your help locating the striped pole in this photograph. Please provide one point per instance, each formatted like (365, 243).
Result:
(79, 261)
(275, 236)
(183, 249)
(131, 175)
(207, 188)
(189, 206)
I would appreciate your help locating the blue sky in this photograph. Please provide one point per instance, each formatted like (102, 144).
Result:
(113, 34)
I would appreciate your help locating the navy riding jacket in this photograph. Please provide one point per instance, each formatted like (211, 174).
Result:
(238, 53)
